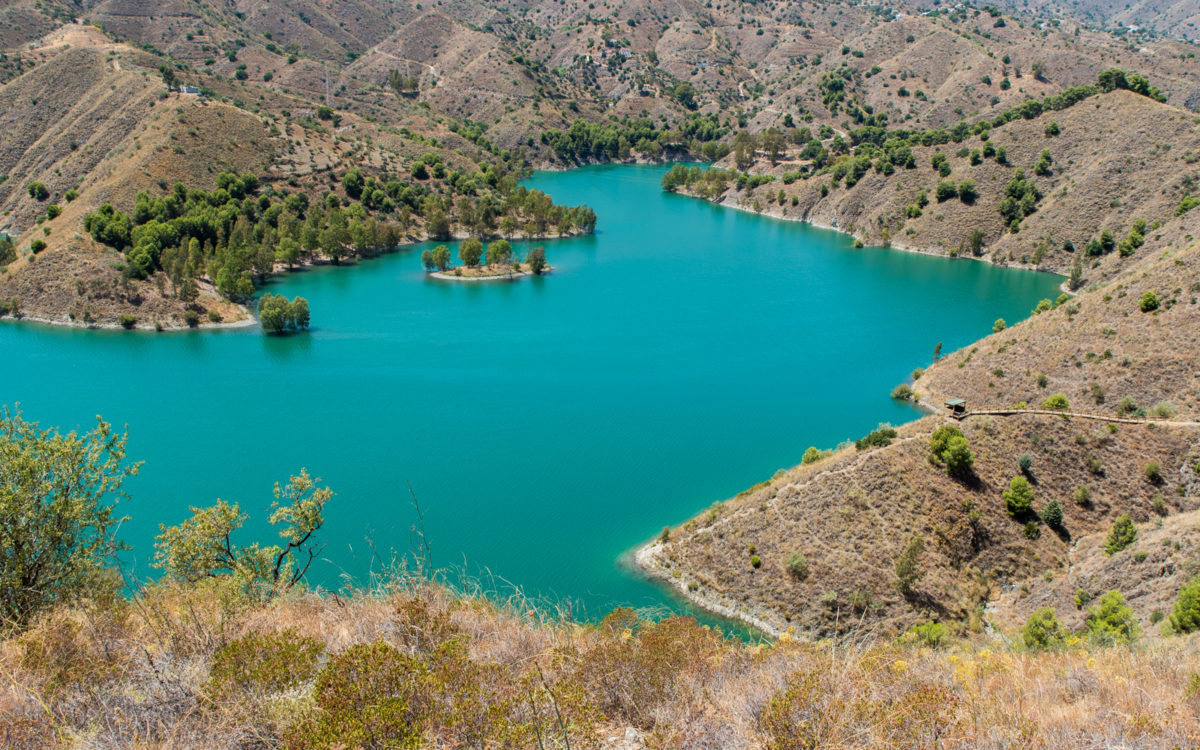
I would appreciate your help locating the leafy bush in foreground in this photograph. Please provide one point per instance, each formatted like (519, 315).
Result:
(261, 663)
(57, 514)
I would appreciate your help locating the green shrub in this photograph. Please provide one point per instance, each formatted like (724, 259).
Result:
(127, 320)
(931, 634)
(1052, 514)
(59, 494)
(999, 325)
(1185, 616)
(263, 663)
(191, 318)
(755, 561)
(903, 392)
(37, 246)
(1082, 598)
(1127, 406)
(945, 191)
(1043, 631)
(1148, 302)
(1057, 402)
(797, 566)
(1032, 530)
(1123, 534)
(37, 191)
(879, 438)
(1112, 621)
(53, 211)
(1163, 410)
(948, 447)
(1024, 463)
(908, 566)
(1018, 498)
(367, 696)
(1153, 471)
(812, 455)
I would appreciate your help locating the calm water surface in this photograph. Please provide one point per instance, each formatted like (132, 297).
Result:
(682, 354)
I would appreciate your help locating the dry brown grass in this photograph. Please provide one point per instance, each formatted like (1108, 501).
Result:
(119, 674)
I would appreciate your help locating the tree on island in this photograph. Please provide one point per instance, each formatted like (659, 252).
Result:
(436, 259)
(277, 315)
(537, 260)
(470, 251)
(499, 252)
(441, 258)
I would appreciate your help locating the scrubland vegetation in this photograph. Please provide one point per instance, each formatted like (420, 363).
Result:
(229, 649)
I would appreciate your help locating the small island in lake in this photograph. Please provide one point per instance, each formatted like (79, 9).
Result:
(499, 262)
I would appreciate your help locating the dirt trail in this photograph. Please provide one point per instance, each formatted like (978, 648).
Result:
(1079, 415)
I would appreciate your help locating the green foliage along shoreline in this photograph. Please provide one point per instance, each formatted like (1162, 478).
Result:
(235, 235)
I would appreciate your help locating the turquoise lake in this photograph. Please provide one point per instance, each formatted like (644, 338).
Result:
(549, 425)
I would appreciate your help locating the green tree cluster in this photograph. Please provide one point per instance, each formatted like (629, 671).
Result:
(1021, 197)
(695, 135)
(277, 315)
(235, 234)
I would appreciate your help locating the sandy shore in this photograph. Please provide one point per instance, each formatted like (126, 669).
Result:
(497, 277)
(66, 322)
(648, 560)
(729, 201)
(449, 276)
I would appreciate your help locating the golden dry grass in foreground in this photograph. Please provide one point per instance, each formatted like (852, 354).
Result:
(415, 666)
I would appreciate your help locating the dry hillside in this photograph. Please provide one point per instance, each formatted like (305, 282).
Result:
(1100, 348)
(1178, 18)
(1165, 556)
(178, 668)
(1117, 157)
(852, 514)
